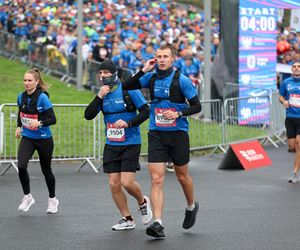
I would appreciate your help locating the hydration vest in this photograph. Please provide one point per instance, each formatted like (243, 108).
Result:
(31, 108)
(175, 92)
(128, 103)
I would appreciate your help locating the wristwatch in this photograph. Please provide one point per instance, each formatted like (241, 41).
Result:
(180, 114)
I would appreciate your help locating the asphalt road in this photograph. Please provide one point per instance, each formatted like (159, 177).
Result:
(256, 209)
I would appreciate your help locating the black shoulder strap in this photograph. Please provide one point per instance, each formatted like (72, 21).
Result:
(46, 93)
(24, 100)
(129, 105)
(175, 92)
(151, 86)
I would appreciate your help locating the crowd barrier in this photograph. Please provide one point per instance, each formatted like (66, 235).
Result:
(81, 140)
(207, 129)
(238, 128)
(275, 110)
(277, 113)
(75, 139)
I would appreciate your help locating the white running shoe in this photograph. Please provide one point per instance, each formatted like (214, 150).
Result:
(123, 225)
(294, 178)
(26, 203)
(146, 212)
(52, 205)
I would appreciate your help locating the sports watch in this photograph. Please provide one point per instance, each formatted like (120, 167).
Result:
(180, 114)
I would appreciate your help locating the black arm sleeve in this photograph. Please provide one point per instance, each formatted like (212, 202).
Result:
(133, 82)
(48, 117)
(92, 109)
(195, 107)
(143, 115)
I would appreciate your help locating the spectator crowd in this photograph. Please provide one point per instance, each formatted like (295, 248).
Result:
(125, 31)
(288, 49)
(288, 45)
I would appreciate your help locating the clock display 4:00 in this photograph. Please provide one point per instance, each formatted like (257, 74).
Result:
(261, 23)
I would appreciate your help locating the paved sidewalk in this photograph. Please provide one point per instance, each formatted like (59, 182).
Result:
(256, 209)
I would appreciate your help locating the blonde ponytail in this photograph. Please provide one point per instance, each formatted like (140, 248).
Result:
(44, 86)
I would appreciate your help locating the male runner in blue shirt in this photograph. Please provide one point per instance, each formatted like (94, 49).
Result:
(168, 131)
(123, 141)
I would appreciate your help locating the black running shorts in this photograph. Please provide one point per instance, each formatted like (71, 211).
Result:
(292, 127)
(164, 146)
(118, 159)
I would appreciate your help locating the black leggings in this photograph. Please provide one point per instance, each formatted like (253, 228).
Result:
(44, 148)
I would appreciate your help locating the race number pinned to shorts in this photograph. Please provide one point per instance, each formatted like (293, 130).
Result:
(161, 121)
(115, 134)
(294, 100)
(26, 119)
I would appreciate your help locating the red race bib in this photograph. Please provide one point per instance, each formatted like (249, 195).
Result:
(26, 119)
(160, 121)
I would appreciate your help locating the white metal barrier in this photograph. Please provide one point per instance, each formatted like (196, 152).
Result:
(74, 137)
(278, 114)
(242, 123)
(207, 129)
(78, 139)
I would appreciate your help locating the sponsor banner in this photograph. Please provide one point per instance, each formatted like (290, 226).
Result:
(257, 51)
(257, 57)
(251, 155)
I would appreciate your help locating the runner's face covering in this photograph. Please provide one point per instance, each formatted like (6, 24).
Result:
(110, 80)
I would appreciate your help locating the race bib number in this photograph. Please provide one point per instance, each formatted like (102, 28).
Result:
(161, 121)
(26, 119)
(294, 100)
(115, 134)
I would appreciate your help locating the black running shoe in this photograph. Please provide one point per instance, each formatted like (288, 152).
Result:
(190, 217)
(155, 230)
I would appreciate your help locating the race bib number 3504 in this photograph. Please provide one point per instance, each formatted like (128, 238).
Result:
(161, 121)
(115, 134)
